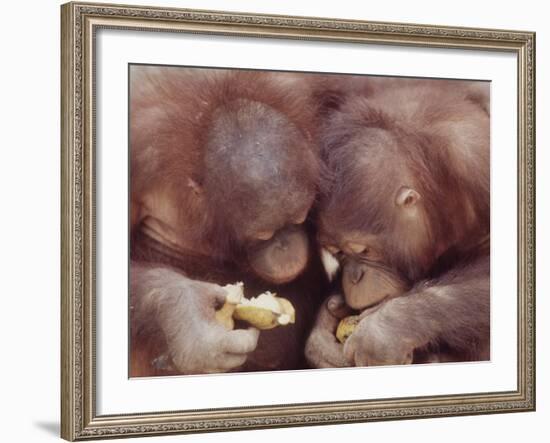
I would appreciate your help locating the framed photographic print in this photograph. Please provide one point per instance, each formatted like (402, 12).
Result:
(281, 221)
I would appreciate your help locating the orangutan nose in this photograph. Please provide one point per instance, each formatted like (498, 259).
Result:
(282, 244)
(356, 274)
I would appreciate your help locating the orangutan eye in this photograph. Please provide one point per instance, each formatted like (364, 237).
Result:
(357, 248)
(332, 249)
(264, 235)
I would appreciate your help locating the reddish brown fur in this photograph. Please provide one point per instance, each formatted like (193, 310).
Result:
(182, 103)
(428, 139)
(183, 179)
(414, 126)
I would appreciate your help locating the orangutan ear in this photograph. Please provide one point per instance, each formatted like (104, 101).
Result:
(406, 197)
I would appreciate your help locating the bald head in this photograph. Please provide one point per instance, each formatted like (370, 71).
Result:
(259, 165)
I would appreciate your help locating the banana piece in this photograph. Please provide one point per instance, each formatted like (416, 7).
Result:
(346, 327)
(266, 311)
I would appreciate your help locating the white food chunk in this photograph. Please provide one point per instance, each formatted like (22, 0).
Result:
(283, 319)
(266, 300)
(234, 293)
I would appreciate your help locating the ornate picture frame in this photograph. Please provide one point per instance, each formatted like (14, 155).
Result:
(80, 23)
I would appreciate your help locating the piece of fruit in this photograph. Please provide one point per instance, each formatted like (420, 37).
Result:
(266, 311)
(346, 327)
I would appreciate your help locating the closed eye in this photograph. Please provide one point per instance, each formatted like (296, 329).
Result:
(357, 248)
(264, 235)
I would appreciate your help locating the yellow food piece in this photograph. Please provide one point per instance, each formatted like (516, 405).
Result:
(288, 309)
(258, 317)
(346, 327)
(266, 311)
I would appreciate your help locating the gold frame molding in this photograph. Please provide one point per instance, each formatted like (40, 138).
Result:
(79, 22)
